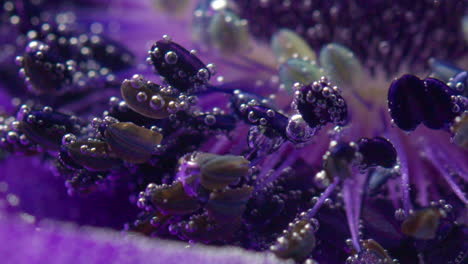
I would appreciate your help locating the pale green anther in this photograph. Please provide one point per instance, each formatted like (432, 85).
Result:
(341, 65)
(299, 71)
(173, 7)
(229, 33)
(287, 44)
(465, 27)
(441, 70)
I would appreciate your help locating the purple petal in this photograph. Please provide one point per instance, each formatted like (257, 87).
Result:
(54, 242)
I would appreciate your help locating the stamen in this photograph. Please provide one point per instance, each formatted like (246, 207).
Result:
(445, 169)
(352, 197)
(403, 164)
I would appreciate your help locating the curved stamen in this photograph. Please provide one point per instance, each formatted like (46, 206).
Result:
(325, 194)
(446, 171)
(267, 180)
(352, 201)
(405, 182)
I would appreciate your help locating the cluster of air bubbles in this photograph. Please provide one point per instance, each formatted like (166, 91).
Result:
(298, 241)
(180, 68)
(63, 58)
(459, 83)
(42, 72)
(372, 252)
(320, 103)
(298, 130)
(152, 100)
(264, 139)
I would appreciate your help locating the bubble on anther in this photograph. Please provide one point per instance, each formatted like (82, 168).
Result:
(171, 57)
(298, 130)
(210, 120)
(264, 139)
(141, 97)
(68, 139)
(157, 102)
(137, 99)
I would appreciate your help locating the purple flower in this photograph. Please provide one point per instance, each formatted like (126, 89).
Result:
(320, 132)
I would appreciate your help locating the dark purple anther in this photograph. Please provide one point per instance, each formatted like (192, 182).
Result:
(412, 101)
(44, 73)
(377, 151)
(403, 97)
(261, 115)
(256, 110)
(319, 103)
(46, 127)
(439, 107)
(179, 67)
